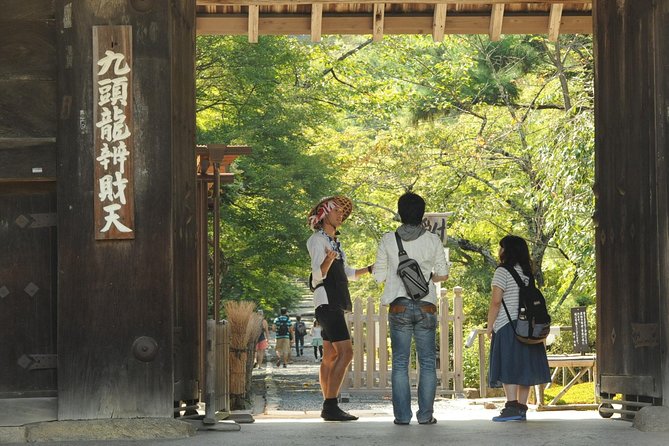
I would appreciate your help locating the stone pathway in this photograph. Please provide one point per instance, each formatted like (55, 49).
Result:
(295, 392)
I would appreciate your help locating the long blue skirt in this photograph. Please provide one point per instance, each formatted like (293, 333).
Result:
(512, 362)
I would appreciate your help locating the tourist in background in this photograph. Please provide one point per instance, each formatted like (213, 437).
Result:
(515, 366)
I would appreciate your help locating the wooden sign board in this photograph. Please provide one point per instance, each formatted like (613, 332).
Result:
(435, 222)
(114, 128)
(579, 324)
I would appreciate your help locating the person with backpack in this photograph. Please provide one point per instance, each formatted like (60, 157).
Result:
(514, 365)
(300, 331)
(283, 329)
(329, 280)
(412, 312)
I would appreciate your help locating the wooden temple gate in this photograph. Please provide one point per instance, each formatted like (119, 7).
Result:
(112, 327)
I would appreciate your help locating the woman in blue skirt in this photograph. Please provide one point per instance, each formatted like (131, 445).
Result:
(513, 365)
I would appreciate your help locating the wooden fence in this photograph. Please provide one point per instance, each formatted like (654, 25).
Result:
(370, 370)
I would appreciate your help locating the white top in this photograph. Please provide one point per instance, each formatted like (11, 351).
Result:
(505, 281)
(427, 250)
(316, 332)
(318, 245)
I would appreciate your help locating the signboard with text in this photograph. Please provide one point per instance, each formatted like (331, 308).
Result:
(435, 222)
(113, 140)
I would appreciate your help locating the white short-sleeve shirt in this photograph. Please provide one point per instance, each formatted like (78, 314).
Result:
(505, 281)
(318, 245)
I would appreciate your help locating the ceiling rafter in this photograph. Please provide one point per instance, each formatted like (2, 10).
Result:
(379, 12)
(430, 2)
(439, 25)
(496, 22)
(316, 22)
(438, 17)
(554, 21)
(254, 23)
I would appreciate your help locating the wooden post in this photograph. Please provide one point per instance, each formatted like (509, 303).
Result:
(119, 301)
(632, 210)
(383, 347)
(371, 343)
(358, 347)
(458, 341)
(483, 375)
(444, 341)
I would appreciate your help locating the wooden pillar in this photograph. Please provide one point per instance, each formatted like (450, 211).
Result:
(662, 190)
(632, 217)
(124, 311)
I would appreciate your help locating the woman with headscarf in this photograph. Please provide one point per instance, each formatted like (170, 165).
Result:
(329, 279)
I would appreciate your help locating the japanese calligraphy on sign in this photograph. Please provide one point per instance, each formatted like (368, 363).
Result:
(579, 322)
(112, 105)
(436, 223)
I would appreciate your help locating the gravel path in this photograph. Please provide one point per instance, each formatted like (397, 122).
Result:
(296, 389)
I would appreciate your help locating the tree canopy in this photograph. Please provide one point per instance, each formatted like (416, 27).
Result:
(499, 133)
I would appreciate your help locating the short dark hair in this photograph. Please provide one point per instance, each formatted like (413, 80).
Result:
(411, 208)
(284, 310)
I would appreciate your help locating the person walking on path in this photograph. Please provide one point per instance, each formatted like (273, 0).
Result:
(283, 329)
(263, 340)
(411, 319)
(317, 340)
(513, 365)
(300, 332)
(329, 276)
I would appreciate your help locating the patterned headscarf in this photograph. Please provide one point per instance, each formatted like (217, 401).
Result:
(325, 206)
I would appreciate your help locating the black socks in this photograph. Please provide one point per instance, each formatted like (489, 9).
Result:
(516, 404)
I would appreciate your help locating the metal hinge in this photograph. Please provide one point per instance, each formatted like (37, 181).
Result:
(38, 362)
(36, 220)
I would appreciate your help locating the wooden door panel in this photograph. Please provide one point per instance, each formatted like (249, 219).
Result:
(27, 290)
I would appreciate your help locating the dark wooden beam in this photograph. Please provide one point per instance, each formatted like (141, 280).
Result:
(29, 163)
(393, 24)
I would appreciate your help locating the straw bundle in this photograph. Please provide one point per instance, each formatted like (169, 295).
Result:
(253, 328)
(238, 315)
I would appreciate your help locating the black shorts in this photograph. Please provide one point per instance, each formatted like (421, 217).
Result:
(333, 323)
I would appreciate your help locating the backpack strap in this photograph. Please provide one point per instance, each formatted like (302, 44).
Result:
(515, 275)
(313, 288)
(402, 252)
(517, 278)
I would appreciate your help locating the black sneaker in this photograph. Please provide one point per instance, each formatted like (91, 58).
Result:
(510, 413)
(336, 414)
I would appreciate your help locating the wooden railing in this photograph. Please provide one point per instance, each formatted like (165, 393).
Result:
(371, 369)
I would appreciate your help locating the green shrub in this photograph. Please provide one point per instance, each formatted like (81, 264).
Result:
(583, 393)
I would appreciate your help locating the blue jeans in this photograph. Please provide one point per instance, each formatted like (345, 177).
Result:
(418, 320)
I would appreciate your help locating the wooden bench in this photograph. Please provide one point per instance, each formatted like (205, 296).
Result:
(577, 366)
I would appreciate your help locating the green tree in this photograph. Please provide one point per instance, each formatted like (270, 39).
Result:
(248, 94)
